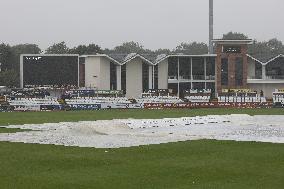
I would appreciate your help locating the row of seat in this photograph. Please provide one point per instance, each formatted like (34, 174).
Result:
(240, 99)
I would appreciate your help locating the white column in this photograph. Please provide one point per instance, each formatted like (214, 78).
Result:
(153, 80)
(118, 77)
(205, 72)
(178, 77)
(21, 71)
(191, 76)
(151, 77)
(263, 72)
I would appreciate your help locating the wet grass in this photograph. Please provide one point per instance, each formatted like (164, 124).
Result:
(182, 165)
(8, 118)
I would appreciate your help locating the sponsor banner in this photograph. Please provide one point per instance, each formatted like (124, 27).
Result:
(85, 106)
(50, 107)
(236, 90)
(26, 107)
(280, 90)
(207, 105)
(121, 106)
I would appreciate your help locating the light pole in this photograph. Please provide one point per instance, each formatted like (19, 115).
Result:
(211, 28)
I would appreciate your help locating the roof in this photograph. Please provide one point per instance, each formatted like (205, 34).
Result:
(151, 59)
(265, 61)
(233, 41)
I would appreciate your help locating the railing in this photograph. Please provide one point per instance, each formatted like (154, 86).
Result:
(268, 77)
(198, 77)
(194, 77)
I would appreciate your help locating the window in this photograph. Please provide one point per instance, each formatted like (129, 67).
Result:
(224, 71)
(173, 68)
(231, 49)
(198, 68)
(156, 76)
(210, 68)
(239, 71)
(184, 68)
(145, 76)
(123, 78)
(113, 78)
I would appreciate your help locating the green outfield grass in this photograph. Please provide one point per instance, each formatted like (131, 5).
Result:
(182, 165)
(195, 164)
(8, 118)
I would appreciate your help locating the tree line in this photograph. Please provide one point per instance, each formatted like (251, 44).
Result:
(10, 55)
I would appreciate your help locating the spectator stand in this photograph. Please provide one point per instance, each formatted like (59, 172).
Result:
(240, 96)
(195, 95)
(278, 98)
(158, 96)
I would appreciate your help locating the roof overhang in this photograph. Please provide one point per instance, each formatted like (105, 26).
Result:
(233, 42)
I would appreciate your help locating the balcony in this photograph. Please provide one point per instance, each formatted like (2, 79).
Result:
(266, 79)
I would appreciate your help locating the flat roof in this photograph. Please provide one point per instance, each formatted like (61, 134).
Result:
(233, 41)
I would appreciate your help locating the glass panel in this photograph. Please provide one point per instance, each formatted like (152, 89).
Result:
(123, 78)
(198, 86)
(210, 68)
(275, 69)
(156, 76)
(113, 81)
(184, 68)
(198, 69)
(258, 70)
(173, 68)
(145, 76)
(224, 71)
(239, 71)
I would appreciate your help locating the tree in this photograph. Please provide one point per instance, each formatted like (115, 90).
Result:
(58, 48)
(234, 36)
(127, 48)
(9, 78)
(83, 49)
(23, 49)
(192, 48)
(162, 51)
(266, 50)
(6, 56)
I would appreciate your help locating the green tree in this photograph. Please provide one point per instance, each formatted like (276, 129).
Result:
(23, 49)
(128, 47)
(6, 56)
(58, 48)
(234, 36)
(83, 49)
(9, 78)
(266, 50)
(192, 48)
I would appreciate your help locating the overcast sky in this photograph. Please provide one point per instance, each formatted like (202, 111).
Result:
(153, 23)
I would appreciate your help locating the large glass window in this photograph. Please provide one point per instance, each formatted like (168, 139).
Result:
(113, 78)
(210, 68)
(211, 85)
(239, 71)
(156, 76)
(123, 78)
(258, 70)
(198, 68)
(224, 72)
(173, 88)
(275, 69)
(184, 68)
(145, 76)
(183, 87)
(198, 86)
(173, 68)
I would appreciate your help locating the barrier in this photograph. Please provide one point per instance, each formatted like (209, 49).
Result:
(207, 105)
(85, 106)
